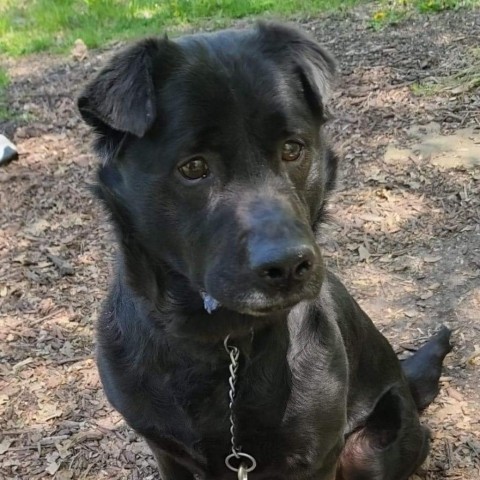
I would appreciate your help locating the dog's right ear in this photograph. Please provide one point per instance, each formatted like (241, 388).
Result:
(121, 100)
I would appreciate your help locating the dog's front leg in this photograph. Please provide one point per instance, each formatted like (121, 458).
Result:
(325, 474)
(169, 468)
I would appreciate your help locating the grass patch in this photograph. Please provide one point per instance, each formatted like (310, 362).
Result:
(4, 78)
(465, 80)
(6, 112)
(392, 12)
(425, 89)
(4, 82)
(29, 26)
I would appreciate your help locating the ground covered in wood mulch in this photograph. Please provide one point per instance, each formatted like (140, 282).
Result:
(404, 236)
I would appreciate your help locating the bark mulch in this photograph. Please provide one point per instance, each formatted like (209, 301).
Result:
(404, 236)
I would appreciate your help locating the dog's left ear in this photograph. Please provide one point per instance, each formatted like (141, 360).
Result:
(291, 47)
(122, 95)
(121, 99)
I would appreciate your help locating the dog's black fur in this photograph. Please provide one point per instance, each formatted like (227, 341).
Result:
(321, 394)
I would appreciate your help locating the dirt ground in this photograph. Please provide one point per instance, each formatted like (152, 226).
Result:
(404, 236)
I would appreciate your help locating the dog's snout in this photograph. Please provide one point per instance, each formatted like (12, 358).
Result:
(281, 249)
(284, 267)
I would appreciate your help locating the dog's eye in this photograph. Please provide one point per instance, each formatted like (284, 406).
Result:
(194, 169)
(291, 151)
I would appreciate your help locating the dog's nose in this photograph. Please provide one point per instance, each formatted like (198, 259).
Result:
(284, 267)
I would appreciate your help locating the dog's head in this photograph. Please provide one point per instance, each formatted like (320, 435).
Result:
(214, 164)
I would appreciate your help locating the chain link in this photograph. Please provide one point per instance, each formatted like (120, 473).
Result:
(242, 470)
(234, 354)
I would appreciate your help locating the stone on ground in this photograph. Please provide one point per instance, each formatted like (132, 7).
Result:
(8, 151)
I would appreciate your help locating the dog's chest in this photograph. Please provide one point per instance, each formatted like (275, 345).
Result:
(289, 417)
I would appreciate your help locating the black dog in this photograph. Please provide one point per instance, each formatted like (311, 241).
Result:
(216, 173)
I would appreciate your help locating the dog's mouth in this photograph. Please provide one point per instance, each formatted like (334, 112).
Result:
(274, 278)
(267, 310)
(257, 307)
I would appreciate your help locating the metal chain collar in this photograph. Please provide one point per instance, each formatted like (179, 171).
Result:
(245, 467)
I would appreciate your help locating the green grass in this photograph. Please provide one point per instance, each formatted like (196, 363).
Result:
(29, 26)
(425, 89)
(4, 78)
(464, 80)
(392, 12)
(4, 82)
(6, 112)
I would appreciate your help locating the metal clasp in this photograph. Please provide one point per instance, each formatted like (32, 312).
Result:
(242, 473)
(244, 468)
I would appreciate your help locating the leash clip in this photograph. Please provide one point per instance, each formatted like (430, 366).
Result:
(243, 469)
(242, 473)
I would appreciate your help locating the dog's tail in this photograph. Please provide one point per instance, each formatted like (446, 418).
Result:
(424, 367)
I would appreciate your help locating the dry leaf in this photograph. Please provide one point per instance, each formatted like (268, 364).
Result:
(79, 50)
(64, 475)
(21, 364)
(454, 394)
(363, 253)
(431, 259)
(426, 295)
(52, 468)
(64, 448)
(48, 411)
(369, 217)
(38, 227)
(5, 445)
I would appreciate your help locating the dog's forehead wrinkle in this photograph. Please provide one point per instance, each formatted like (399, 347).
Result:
(252, 112)
(242, 70)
